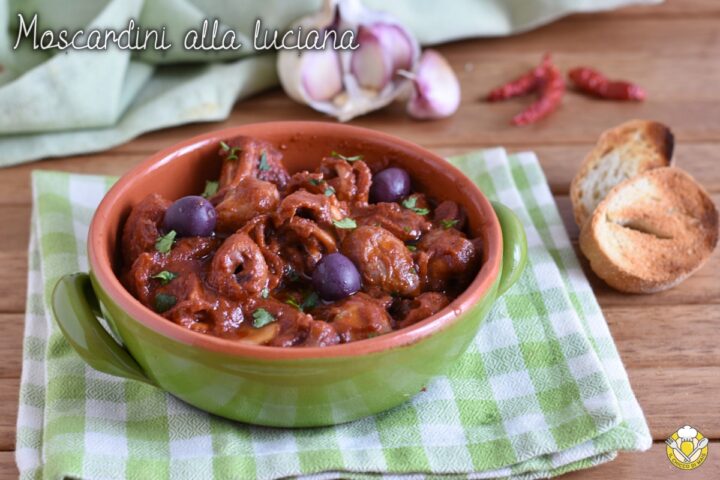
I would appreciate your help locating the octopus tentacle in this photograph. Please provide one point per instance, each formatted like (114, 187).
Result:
(260, 231)
(384, 261)
(242, 202)
(309, 242)
(421, 307)
(446, 259)
(313, 182)
(142, 227)
(350, 181)
(322, 209)
(248, 157)
(238, 268)
(401, 222)
(357, 317)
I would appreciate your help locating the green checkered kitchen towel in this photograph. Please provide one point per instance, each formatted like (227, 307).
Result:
(541, 390)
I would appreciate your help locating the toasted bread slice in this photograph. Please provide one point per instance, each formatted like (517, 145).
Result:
(621, 153)
(651, 231)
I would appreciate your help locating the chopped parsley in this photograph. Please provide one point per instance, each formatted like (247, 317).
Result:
(347, 159)
(346, 223)
(164, 302)
(232, 151)
(165, 277)
(265, 293)
(262, 317)
(411, 203)
(310, 301)
(449, 223)
(263, 166)
(315, 181)
(293, 303)
(211, 189)
(407, 229)
(412, 248)
(329, 191)
(165, 242)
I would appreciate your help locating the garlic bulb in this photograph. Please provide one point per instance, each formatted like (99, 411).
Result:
(349, 83)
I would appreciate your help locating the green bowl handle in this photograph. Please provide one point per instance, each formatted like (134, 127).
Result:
(76, 309)
(514, 246)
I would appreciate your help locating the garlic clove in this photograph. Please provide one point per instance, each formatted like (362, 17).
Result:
(290, 63)
(396, 40)
(321, 74)
(372, 62)
(436, 92)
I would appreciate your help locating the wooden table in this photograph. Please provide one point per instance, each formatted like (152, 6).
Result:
(668, 341)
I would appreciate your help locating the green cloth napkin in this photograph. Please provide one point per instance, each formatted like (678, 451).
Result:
(79, 101)
(541, 390)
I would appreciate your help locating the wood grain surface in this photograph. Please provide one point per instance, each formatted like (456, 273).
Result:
(670, 342)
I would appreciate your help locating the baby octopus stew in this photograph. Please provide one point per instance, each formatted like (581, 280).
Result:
(339, 254)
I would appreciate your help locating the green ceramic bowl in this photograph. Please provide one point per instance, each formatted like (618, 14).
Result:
(288, 387)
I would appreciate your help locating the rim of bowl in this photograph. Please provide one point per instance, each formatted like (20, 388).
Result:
(102, 269)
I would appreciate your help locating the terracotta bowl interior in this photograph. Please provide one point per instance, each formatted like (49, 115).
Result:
(183, 169)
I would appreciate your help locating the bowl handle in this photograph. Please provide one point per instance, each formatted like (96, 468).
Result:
(76, 309)
(514, 246)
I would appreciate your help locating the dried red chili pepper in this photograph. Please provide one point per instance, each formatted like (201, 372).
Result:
(595, 83)
(523, 85)
(520, 86)
(546, 79)
(551, 88)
